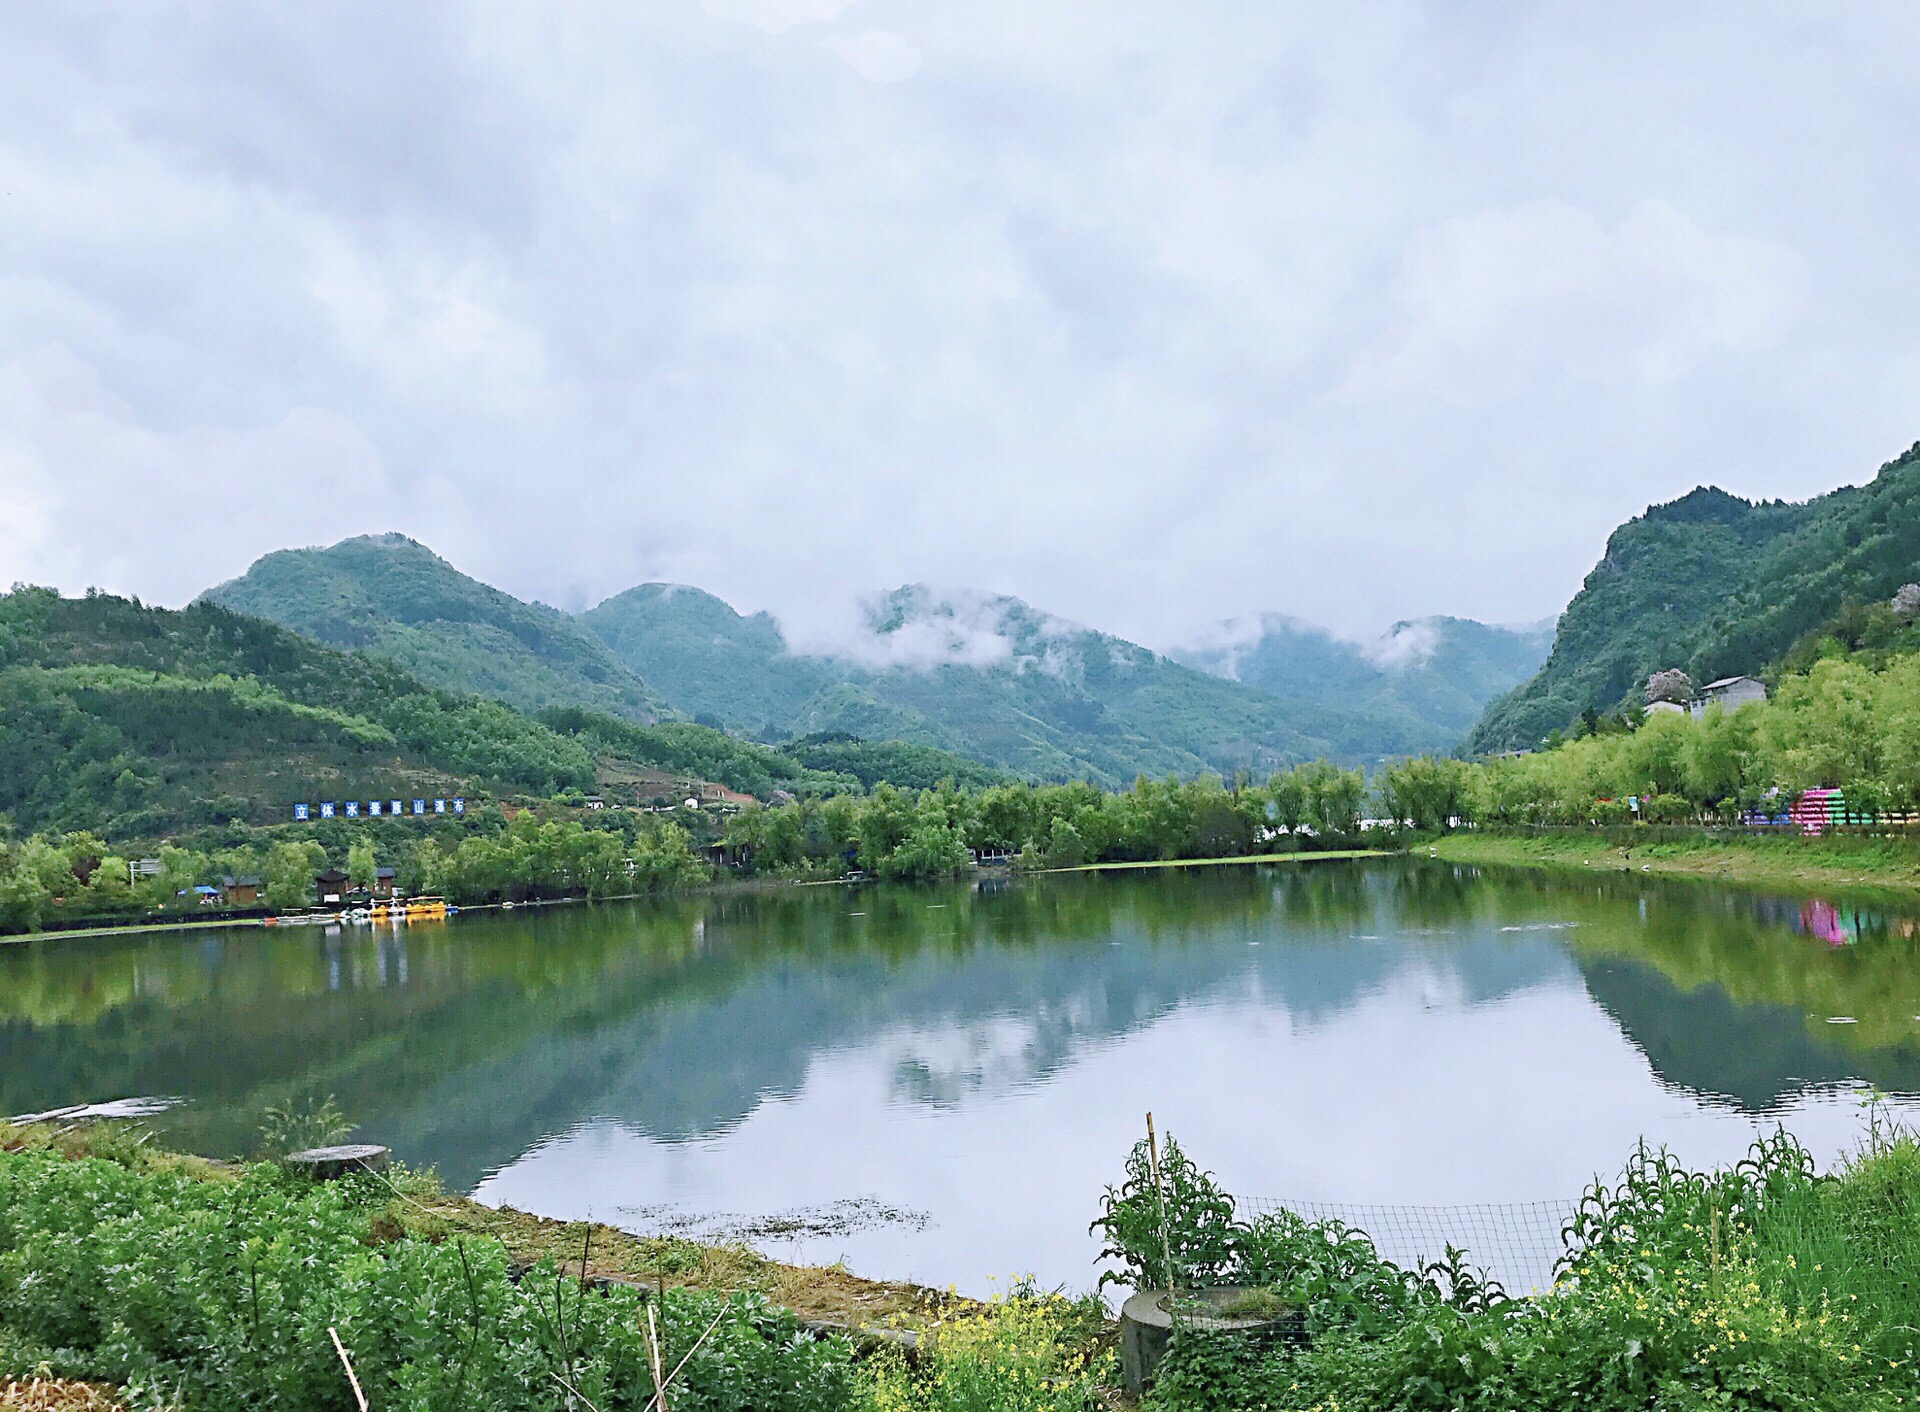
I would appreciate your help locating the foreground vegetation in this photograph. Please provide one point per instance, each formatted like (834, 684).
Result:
(1766, 1285)
(183, 1283)
(187, 1284)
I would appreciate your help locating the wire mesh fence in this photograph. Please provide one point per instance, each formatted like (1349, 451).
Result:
(1516, 1243)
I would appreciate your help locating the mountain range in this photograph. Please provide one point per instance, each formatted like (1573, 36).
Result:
(985, 676)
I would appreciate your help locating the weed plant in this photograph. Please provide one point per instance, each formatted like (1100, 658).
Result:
(1178, 1232)
(297, 1126)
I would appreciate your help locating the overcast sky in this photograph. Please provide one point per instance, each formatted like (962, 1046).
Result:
(1149, 313)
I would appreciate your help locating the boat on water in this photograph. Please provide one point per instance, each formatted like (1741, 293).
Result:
(411, 909)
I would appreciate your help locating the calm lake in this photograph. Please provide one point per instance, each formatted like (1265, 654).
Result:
(935, 1083)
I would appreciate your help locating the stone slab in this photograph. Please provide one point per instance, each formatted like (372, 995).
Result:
(325, 1164)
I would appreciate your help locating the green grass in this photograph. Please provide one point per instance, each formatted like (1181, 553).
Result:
(78, 933)
(1784, 861)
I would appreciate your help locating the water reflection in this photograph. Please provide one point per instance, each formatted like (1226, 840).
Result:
(1394, 1031)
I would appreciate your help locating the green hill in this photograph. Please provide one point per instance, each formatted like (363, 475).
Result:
(394, 598)
(1717, 585)
(139, 721)
(718, 666)
(816, 765)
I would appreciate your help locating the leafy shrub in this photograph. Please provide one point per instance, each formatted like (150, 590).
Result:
(1762, 1285)
(1187, 1219)
(1331, 1273)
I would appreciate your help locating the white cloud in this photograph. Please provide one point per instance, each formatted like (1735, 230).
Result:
(613, 293)
(1492, 301)
(919, 627)
(92, 497)
(776, 16)
(877, 55)
(438, 334)
(1405, 644)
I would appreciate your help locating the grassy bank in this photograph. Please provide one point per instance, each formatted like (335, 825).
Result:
(1769, 860)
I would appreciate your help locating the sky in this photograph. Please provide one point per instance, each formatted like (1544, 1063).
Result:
(1151, 314)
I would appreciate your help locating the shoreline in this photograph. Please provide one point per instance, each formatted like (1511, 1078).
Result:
(1788, 862)
(717, 886)
(1296, 856)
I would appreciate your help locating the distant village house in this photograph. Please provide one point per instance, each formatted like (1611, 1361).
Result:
(240, 892)
(330, 887)
(383, 882)
(1730, 693)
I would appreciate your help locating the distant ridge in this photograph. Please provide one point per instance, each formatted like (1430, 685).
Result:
(995, 678)
(1442, 670)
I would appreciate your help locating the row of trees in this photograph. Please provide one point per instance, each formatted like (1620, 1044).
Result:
(52, 879)
(895, 834)
(55, 877)
(532, 858)
(1843, 723)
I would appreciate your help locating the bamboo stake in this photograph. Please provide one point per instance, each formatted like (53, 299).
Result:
(573, 1390)
(347, 1363)
(683, 1362)
(1160, 1200)
(653, 1348)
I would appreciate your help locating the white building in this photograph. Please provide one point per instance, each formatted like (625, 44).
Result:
(1731, 693)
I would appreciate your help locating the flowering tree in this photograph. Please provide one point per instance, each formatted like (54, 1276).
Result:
(1670, 685)
(1906, 602)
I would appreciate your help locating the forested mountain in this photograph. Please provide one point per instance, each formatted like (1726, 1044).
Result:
(1440, 670)
(1717, 585)
(994, 678)
(387, 595)
(986, 677)
(718, 666)
(141, 721)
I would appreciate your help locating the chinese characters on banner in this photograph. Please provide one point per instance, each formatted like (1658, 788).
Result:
(378, 808)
